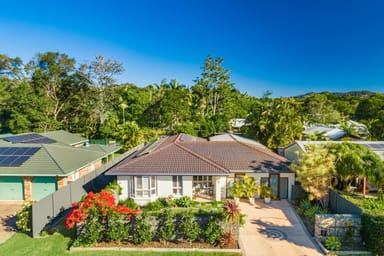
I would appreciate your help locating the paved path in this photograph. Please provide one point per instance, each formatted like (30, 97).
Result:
(8, 210)
(274, 229)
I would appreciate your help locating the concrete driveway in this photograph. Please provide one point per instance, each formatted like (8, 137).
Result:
(274, 229)
(8, 210)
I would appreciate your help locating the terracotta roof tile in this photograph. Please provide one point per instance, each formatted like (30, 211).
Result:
(188, 155)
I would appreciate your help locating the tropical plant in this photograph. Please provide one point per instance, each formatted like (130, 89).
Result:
(231, 211)
(265, 191)
(314, 170)
(237, 190)
(333, 243)
(249, 186)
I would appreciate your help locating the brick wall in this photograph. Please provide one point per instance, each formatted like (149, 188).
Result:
(61, 182)
(84, 171)
(27, 188)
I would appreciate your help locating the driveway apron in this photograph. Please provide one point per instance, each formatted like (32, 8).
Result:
(274, 229)
(8, 210)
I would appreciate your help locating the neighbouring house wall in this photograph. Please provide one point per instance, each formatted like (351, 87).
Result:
(290, 152)
(164, 186)
(27, 188)
(123, 183)
(187, 186)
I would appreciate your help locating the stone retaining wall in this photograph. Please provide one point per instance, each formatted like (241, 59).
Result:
(344, 226)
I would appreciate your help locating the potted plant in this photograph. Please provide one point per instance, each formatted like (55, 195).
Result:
(249, 188)
(237, 191)
(266, 193)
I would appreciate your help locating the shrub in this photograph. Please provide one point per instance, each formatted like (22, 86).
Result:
(373, 231)
(167, 228)
(114, 187)
(231, 211)
(142, 230)
(100, 216)
(117, 228)
(303, 206)
(213, 231)
(155, 205)
(190, 228)
(184, 201)
(24, 218)
(129, 203)
(332, 243)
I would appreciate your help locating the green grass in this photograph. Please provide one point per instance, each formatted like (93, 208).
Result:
(57, 244)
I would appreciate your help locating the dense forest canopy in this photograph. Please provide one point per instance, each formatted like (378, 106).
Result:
(53, 91)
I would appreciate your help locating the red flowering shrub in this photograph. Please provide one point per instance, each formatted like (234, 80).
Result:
(97, 205)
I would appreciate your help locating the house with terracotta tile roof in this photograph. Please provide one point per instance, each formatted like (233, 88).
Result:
(184, 165)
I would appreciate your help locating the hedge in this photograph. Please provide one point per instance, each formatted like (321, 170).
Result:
(373, 231)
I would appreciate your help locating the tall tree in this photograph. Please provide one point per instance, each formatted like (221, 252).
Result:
(214, 94)
(101, 73)
(314, 170)
(11, 67)
(320, 109)
(355, 161)
(55, 80)
(275, 122)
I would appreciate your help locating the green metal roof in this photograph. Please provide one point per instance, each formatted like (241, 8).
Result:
(65, 137)
(56, 160)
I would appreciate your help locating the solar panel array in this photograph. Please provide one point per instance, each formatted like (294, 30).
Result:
(31, 138)
(16, 156)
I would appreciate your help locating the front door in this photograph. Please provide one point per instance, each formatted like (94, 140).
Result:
(283, 188)
(274, 184)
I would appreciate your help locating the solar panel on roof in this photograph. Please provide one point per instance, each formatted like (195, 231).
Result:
(32, 138)
(16, 156)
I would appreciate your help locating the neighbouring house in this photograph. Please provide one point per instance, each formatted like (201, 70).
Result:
(291, 151)
(327, 132)
(34, 165)
(183, 165)
(336, 131)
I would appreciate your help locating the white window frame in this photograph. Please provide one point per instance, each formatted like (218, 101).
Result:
(177, 185)
(144, 186)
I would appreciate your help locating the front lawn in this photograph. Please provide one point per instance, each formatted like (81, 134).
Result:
(57, 244)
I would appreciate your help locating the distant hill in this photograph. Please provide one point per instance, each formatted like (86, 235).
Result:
(340, 94)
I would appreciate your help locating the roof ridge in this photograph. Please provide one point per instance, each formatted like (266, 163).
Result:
(264, 150)
(207, 160)
(135, 159)
(51, 156)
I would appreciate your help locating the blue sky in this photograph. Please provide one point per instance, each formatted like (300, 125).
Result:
(287, 47)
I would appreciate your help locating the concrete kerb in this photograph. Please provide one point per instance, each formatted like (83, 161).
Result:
(300, 221)
(151, 249)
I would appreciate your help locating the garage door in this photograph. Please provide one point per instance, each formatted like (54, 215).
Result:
(42, 187)
(11, 188)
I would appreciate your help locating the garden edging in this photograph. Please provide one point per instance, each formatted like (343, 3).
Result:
(151, 249)
(326, 251)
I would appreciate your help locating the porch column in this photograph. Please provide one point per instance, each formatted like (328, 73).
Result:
(220, 188)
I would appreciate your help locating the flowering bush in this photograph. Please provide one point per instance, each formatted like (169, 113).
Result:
(97, 205)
